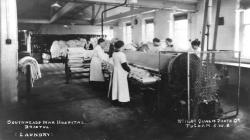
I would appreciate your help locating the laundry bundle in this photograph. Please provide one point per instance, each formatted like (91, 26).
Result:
(55, 49)
(77, 43)
(71, 43)
(58, 49)
(63, 48)
(75, 52)
(35, 68)
(75, 56)
(139, 73)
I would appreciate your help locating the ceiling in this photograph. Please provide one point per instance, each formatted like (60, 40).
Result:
(87, 11)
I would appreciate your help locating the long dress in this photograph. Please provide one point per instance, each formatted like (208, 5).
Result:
(120, 89)
(96, 73)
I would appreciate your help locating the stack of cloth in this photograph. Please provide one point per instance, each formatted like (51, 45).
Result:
(77, 43)
(60, 48)
(55, 49)
(76, 56)
(35, 68)
(76, 60)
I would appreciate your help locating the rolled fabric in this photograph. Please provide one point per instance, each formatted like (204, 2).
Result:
(35, 68)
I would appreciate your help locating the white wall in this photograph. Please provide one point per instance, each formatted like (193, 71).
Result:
(196, 22)
(226, 33)
(75, 29)
(161, 19)
(225, 40)
(118, 32)
(8, 52)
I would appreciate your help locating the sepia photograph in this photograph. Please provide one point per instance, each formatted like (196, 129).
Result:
(124, 70)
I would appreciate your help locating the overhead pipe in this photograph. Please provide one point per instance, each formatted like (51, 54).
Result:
(105, 10)
(129, 15)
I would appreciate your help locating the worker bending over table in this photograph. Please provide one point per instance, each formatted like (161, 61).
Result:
(96, 74)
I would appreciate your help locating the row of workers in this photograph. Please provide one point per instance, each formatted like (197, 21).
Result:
(120, 90)
(157, 46)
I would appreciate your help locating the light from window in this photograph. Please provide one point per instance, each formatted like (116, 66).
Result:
(149, 30)
(181, 34)
(246, 35)
(246, 17)
(110, 34)
(127, 33)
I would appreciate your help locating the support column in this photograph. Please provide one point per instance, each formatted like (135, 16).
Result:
(8, 52)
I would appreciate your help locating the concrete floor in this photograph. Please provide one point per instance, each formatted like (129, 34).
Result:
(52, 99)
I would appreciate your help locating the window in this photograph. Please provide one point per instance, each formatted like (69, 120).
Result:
(181, 31)
(148, 33)
(243, 33)
(246, 35)
(110, 34)
(127, 33)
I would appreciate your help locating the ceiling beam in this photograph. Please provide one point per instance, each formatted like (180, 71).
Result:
(34, 21)
(95, 14)
(107, 1)
(142, 5)
(125, 15)
(74, 22)
(146, 6)
(98, 11)
(186, 1)
(168, 5)
(180, 5)
(64, 10)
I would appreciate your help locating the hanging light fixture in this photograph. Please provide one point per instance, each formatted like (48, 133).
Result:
(56, 5)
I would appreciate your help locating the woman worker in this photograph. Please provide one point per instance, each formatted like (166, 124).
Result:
(195, 45)
(120, 91)
(96, 74)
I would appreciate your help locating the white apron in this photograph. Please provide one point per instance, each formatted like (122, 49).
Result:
(120, 89)
(96, 73)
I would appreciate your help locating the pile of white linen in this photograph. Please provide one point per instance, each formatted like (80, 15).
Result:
(55, 49)
(35, 68)
(58, 48)
(75, 52)
(76, 56)
(63, 48)
(77, 43)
